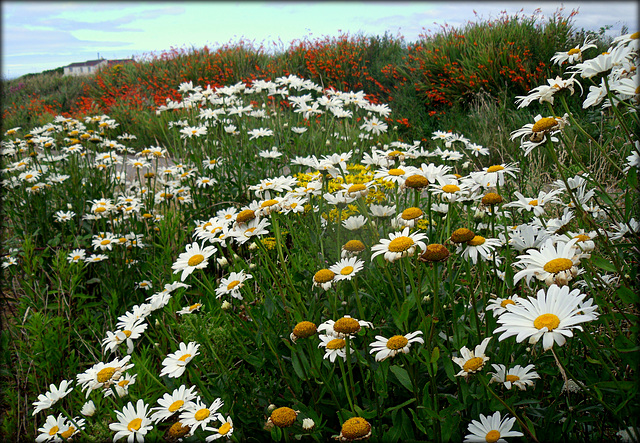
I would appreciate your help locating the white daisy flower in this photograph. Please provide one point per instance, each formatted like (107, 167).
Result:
(390, 347)
(399, 245)
(190, 309)
(324, 278)
(343, 327)
(232, 284)
(133, 422)
(346, 268)
(553, 263)
(499, 305)
(354, 222)
(51, 429)
(410, 217)
(195, 257)
(179, 400)
(49, 398)
(103, 375)
(225, 430)
(198, 414)
(334, 347)
(478, 246)
(472, 361)
(491, 429)
(175, 364)
(551, 316)
(517, 376)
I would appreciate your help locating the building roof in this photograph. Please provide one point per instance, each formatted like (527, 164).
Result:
(99, 61)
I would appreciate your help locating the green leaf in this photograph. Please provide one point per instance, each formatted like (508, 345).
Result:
(364, 414)
(624, 385)
(627, 295)
(403, 377)
(297, 367)
(435, 354)
(530, 425)
(602, 263)
(400, 406)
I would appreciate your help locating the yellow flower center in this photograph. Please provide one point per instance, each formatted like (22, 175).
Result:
(462, 235)
(353, 246)
(173, 407)
(491, 198)
(68, 433)
(346, 270)
(411, 213)
(233, 284)
(355, 428)
(105, 374)
(495, 168)
(492, 436)
(544, 124)
(245, 216)
(346, 325)
(28, 176)
(356, 188)
(416, 181)
(549, 321)
(283, 417)
(184, 357)
(100, 209)
(177, 430)
(194, 306)
(396, 172)
(558, 265)
(397, 342)
(224, 429)
(512, 378)
(395, 153)
(574, 51)
(435, 252)
(196, 260)
(336, 343)
(450, 189)
(635, 35)
(105, 242)
(304, 329)
(476, 241)
(76, 257)
(54, 430)
(582, 237)
(507, 302)
(473, 364)
(134, 424)
(401, 244)
(147, 215)
(323, 276)
(533, 203)
(123, 383)
(268, 203)
(202, 414)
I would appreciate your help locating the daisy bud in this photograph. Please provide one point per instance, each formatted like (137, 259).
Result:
(253, 247)
(308, 424)
(226, 305)
(222, 261)
(271, 407)
(252, 266)
(88, 409)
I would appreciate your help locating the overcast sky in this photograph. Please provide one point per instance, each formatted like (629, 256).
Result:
(37, 36)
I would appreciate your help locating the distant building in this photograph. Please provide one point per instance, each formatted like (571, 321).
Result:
(92, 66)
